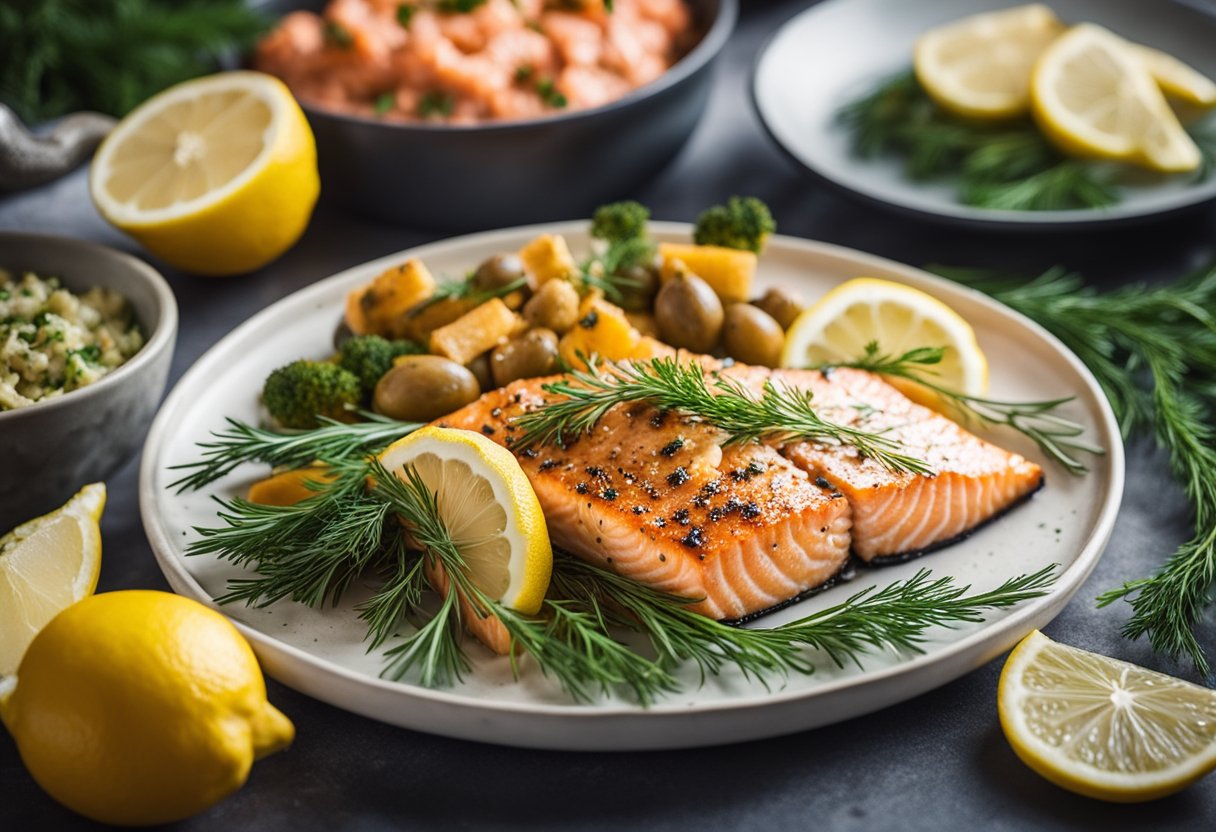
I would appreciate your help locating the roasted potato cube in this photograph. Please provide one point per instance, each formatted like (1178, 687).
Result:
(475, 332)
(378, 306)
(602, 331)
(728, 271)
(548, 258)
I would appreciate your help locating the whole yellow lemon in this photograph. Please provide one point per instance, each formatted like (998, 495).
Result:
(141, 707)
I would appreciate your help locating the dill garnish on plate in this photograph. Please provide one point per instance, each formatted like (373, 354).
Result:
(1006, 165)
(310, 552)
(1153, 350)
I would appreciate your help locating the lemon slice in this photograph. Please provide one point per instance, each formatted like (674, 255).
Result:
(489, 508)
(215, 176)
(979, 67)
(897, 317)
(1093, 96)
(1176, 78)
(46, 565)
(1105, 728)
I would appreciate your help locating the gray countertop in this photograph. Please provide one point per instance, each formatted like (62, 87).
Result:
(936, 762)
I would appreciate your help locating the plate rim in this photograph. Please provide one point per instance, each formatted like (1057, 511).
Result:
(269, 648)
(958, 214)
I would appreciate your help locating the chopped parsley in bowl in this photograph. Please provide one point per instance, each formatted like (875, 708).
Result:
(53, 341)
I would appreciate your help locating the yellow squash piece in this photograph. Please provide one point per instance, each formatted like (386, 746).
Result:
(289, 487)
(379, 306)
(602, 331)
(728, 271)
(475, 332)
(548, 257)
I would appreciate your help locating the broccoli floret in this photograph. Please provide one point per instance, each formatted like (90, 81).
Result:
(297, 394)
(371, 356)
(744, 222)
(620, 221)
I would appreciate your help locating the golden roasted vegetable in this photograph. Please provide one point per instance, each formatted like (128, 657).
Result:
(548, 258)
(602, 331)
(422, 320)
(289, 487)
(379, 306)
(475, 332)
(728, 271)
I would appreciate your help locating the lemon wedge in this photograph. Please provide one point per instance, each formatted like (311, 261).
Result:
(488, 507)
(46, 565)
(215, 176)
(1093, 96)
(1178, 79)
(979, 67)
(1105, 728)
(899, 318)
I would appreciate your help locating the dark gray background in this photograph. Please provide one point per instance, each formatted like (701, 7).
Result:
(936, 762)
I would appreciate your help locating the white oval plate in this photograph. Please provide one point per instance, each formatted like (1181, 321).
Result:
(322, 652)
(836, 51)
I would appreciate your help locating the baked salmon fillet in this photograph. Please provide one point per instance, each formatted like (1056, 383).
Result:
(656, 498)
(898, 515)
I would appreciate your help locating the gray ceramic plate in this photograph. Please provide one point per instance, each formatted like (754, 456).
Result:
(322, 652)
(836, 51)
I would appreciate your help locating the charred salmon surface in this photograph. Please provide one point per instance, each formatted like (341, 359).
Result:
(663, 499)
(657, 498)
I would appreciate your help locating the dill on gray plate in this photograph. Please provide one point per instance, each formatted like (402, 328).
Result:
(312, 551)
(1153, 350)
(1059, 438)
(1006, 165)
(779, 414)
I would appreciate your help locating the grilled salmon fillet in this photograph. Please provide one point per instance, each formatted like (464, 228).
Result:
(897, 514)
(656, 498)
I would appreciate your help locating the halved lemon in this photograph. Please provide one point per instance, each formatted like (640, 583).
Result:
(488, 507)
(1093, 96)
(215, 176)
(1178, 79)
(1102, 727)
(46, 565)
(979, 67)
(899, 318)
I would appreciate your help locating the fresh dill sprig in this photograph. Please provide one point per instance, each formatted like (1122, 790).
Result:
(312, 551)
(1153, 350)
(568, 644)
(308, 552)
(779, 414)
(894, 617)
(1007, 165)
(1056, 436)
(239, 443)
(111, 55)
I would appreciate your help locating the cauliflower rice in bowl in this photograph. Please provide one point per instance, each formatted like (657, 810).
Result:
(53, 341)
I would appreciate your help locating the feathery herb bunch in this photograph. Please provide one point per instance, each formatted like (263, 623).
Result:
(239, 443)
(1007, 165)
(111, 55)
(1153, 350)
(312, 551)
(779, 414)
(1059, 438)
